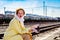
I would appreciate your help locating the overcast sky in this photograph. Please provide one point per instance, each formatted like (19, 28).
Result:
(53, 6)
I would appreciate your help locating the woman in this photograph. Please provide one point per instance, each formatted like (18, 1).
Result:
(16, 27)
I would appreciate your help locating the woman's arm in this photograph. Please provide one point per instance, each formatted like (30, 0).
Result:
(18, 28)
(32, 29)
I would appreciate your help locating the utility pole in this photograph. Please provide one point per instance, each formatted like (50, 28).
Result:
(44, 9)
(4, 10)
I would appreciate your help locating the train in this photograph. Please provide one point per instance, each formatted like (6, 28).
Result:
(40, 18)
(29, 18)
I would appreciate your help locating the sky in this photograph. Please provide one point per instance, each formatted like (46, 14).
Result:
(32, 6)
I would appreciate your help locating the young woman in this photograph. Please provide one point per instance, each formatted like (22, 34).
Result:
(16, 27)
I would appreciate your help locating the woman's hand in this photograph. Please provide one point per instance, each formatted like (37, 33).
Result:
(33, 28)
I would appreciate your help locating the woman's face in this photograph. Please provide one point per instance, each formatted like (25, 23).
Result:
(20, 13)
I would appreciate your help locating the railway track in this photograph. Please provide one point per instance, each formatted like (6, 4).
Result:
(52, 34)
(45, 28)
(39, 29)
(46, 31)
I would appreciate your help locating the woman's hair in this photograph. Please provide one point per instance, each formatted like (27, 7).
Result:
(20, 9)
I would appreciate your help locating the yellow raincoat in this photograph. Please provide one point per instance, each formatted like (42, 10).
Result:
(14, 30)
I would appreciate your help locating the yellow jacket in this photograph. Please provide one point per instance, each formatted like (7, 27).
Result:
(15, 28)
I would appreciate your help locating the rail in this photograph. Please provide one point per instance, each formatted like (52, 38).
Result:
(39, 29)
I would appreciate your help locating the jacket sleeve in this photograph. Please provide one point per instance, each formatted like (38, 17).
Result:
(29, 29)
(18, 28)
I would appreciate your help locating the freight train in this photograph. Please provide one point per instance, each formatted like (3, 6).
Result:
(29, 17)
